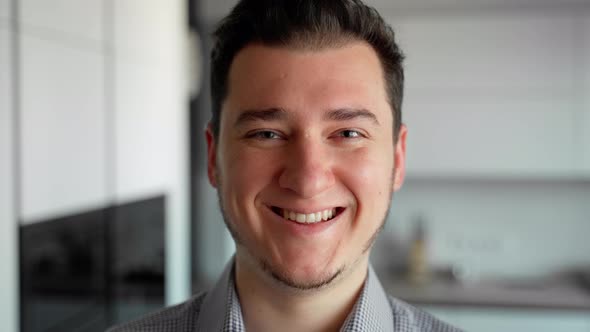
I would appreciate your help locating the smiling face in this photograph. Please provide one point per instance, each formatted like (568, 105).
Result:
(304, 161)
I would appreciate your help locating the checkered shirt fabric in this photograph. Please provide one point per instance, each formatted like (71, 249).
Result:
(233, 320)
(219, 310)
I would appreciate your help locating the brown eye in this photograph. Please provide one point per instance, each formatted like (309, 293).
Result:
(265, 135)
(350, 133)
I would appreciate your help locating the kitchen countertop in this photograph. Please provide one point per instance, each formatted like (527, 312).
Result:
(558, 294)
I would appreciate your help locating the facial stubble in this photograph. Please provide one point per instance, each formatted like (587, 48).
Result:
(281, 277)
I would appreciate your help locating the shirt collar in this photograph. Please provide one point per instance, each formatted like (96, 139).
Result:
(372, 311)
(221, 309)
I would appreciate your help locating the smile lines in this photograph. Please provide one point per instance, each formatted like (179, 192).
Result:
(307, 218)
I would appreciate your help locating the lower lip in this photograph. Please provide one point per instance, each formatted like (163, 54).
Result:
(306, 229)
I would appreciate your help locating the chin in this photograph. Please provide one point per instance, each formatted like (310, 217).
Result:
(304, 278)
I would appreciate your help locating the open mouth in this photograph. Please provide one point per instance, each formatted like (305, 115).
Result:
(308, 218)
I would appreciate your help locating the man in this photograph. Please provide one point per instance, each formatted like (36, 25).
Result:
(305, 147)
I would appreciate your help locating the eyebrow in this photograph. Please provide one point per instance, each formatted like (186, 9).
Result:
(278, 114)
(271, 114)
(347, 114)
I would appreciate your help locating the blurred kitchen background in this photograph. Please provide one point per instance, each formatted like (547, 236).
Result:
(106, 212)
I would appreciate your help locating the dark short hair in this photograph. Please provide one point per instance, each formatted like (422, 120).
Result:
(304, 24)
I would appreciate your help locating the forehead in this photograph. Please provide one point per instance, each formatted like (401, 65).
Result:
(349, 75)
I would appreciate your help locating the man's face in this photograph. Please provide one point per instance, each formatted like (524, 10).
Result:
(305, 136)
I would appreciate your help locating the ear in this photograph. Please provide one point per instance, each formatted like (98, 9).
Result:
(211, 156)
(400, 158)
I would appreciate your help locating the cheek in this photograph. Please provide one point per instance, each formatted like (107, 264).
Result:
(244, 175)
(245, 172)
(369, 176)
(371, 171)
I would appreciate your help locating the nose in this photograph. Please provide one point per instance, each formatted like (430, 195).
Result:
(308, 168)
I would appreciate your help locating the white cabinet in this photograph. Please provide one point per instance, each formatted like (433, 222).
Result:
(62, 129)
(488, 95)
(487, 55)
(585, 127)
(512, 138)
(62, 107)
(146, 154)
(5, 10)
(151, 120)
(151, 99)
(73, 21)
(586, 141)
(6, 120)
(8, 223)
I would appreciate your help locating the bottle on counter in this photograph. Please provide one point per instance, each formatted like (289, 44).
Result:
(418, 269)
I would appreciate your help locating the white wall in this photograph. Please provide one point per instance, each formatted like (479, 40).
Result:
(8, 223)
(498, 227)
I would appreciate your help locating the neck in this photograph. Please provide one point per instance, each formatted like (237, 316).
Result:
(268, 306)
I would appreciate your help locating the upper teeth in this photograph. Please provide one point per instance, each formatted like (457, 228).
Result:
(308, 218)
